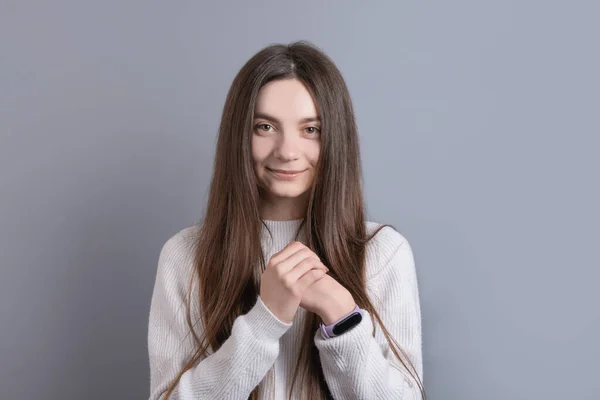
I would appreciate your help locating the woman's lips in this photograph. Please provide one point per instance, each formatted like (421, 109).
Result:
(283, 175)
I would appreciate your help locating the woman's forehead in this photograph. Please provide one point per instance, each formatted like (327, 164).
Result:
(285, 100)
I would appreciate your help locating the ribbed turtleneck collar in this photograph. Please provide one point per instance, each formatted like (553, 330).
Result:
(282, 232)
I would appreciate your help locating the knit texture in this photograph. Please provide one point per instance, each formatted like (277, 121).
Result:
(262, 350)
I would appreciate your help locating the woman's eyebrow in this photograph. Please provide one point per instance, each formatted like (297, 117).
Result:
(273, 119)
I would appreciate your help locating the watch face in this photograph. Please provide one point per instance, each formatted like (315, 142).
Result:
(347, 323)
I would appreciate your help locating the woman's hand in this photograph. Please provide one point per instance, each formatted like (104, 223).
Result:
(328, 298)
(287, 276)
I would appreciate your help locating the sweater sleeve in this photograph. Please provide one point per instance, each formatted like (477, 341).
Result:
(358, 365)
(247, 354)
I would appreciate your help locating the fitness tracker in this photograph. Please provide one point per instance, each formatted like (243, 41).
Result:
(342, 325)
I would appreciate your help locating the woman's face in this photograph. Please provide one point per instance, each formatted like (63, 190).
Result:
(286, 137)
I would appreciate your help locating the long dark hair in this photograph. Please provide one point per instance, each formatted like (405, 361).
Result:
(228, 253)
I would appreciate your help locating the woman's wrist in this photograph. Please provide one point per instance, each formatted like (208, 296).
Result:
(335, 311)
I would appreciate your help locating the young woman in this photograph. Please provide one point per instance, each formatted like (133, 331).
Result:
(283, 290)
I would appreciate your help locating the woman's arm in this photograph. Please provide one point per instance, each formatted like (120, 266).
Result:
(360, 366)
(235, 369)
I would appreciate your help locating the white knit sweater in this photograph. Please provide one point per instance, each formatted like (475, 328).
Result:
(263, 350)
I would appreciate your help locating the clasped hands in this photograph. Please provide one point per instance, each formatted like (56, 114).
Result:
(294, 277)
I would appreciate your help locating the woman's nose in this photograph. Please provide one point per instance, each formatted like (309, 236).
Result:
(287, 147)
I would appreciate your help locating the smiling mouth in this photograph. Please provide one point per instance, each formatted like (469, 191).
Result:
(285, 174)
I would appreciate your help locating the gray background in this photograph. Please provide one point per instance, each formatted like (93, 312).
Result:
(479, 136)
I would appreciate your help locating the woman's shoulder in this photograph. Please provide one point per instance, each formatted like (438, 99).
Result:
(382, 247)
(386, 237)
(184, 235)
(177, 252)
(183, 240)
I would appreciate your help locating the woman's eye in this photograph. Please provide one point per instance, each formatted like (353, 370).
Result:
(314, 129)
(263, 125)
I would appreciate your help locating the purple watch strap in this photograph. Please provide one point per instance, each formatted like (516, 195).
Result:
(327, 330)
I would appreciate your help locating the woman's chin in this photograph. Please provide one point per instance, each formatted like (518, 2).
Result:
(278, 192)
